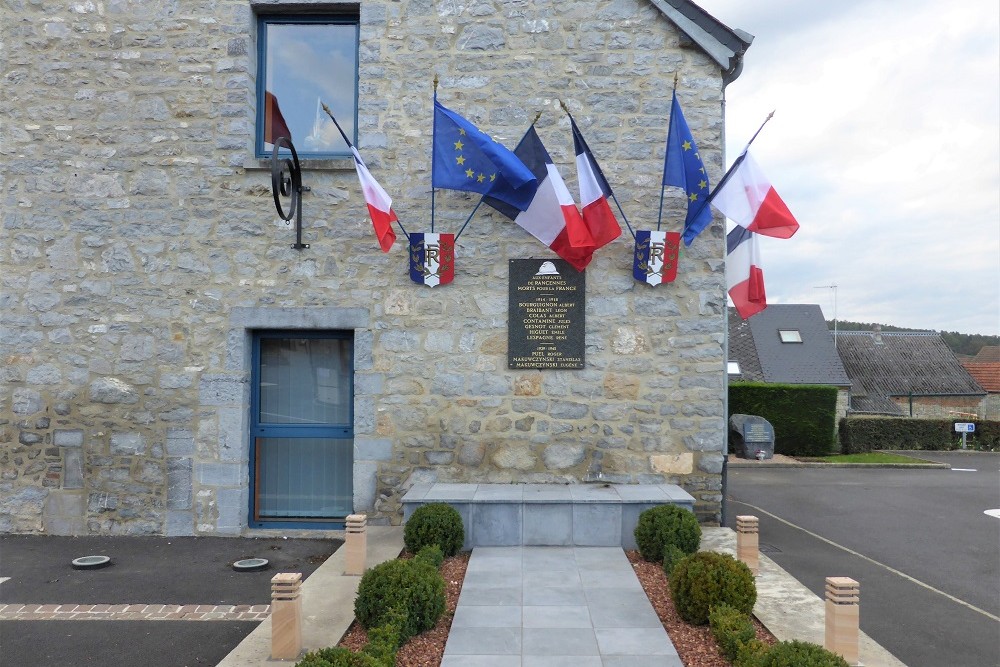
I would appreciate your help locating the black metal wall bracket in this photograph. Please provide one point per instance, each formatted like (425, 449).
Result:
(286, 181)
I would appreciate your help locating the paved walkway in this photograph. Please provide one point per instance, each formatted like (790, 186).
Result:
(555, 607)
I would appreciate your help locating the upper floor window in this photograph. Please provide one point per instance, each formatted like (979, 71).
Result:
(304, 62)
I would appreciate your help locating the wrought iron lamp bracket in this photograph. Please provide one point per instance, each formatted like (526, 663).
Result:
(286, 181)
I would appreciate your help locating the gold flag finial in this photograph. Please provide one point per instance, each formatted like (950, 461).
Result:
(435, 83)
(676, 76)
(537, 116)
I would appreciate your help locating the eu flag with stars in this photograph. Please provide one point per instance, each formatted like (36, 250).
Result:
(466, 158)
(683, 168)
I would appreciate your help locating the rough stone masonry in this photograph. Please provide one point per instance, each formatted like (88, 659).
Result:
(141, 247)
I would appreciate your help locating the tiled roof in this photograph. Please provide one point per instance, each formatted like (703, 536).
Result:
(988, 353)
(741, 349)
(987, 374)
(897, 364)
(755, 343)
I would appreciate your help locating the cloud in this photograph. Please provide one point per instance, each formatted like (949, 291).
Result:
(885, 145)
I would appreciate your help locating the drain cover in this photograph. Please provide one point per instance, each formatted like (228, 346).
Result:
(91, 562)
(768, 548)
(250, 564)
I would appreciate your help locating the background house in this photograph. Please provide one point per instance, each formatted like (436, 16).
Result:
(907, 374)
(787, 344)
(172, 365)
(985, 370)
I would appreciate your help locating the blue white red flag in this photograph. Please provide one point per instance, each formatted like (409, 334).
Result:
(551, 215)
(656, 255)
(744, 276)
(594, 194)
(432, 259)
(747, 198)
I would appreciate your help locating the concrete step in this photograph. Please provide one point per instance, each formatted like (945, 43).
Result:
(589, 514)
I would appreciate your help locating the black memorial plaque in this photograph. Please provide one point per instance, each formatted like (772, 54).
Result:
(545, 315)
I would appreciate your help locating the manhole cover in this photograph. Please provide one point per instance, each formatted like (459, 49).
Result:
(768, 549)
(250, 564)
(91, 562)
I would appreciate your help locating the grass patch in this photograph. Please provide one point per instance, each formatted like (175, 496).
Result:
(868, 457)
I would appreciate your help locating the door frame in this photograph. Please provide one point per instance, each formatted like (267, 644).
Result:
(257, 430)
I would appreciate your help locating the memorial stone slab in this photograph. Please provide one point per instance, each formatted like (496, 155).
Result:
(751, 437)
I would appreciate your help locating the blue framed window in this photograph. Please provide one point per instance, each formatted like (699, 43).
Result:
(302, 428)
(304, 61)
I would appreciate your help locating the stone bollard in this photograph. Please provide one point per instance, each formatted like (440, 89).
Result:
(843, 615)
(355, 544)
(747, 542)
(286, 615)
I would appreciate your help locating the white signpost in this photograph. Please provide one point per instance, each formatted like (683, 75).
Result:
(964, 428)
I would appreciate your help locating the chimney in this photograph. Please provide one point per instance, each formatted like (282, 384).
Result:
(877, 334)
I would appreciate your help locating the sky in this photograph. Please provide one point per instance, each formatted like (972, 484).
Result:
(885, 145)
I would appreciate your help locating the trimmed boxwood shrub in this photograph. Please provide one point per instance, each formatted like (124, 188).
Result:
(731, 628)
(803, 416)
(865, 434)
(409, 593)
(430, 555)
(798, 654)
(707, 579)
(435, 523)
(666, 524)
(339, 657)
(671, 556)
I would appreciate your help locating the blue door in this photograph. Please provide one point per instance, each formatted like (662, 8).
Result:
(301, 428)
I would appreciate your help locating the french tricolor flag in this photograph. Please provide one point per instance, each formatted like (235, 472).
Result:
(379, 203)
(552, 216)
(594, 194)
(748, 199)
(744, 277)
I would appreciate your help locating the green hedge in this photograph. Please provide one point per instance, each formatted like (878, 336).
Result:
(803, 416)
(865, 434)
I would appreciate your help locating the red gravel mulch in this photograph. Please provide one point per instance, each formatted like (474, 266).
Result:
(695, 645)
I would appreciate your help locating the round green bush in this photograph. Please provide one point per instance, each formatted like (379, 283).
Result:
(731, 628)
(666, 524)
(799, 654)
(407, 593)
(436, 523)
(430, 555)
(338, 657)
(706, 579)
(671, 556)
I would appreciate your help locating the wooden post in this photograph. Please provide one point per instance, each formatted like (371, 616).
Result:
(286, 615)
(747, 542)
(843, 615)
(355, 544)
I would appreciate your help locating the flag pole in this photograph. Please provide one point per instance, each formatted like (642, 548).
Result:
(624, 217)
(483, 197)
(663, 187)
(433, 136)
(348, 142)
(729, 172)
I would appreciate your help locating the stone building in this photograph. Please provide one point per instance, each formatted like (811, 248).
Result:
(154, 316)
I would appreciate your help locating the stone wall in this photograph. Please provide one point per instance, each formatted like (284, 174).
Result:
(141, 246)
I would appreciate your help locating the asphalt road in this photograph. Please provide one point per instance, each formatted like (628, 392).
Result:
(151, 570)
(918, 541)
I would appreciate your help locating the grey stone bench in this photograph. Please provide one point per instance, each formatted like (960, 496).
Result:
(547, 514)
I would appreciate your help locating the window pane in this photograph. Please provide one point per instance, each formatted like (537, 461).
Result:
(790, 335)
(306, 65)
(305, 381)
(304, 477)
